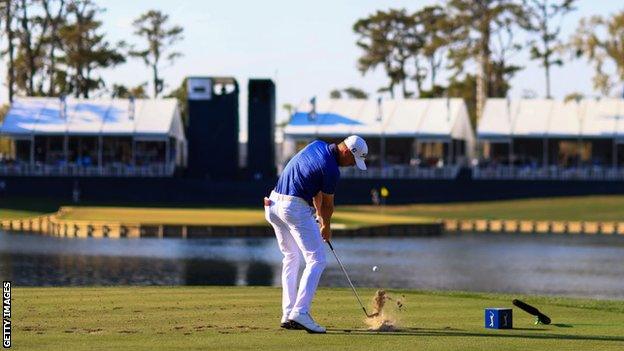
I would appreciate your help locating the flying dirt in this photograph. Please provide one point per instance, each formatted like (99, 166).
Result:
(385, 319)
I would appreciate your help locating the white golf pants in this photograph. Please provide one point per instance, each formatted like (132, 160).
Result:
(297, 231)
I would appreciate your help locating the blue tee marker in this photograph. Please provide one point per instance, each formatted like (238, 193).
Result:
(498, 318)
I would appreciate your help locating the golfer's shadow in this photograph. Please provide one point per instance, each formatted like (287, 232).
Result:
(462, 333)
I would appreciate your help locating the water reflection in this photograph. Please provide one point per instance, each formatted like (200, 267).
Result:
(208, 272)
(542, 264)
(259, 273)
(59, 270)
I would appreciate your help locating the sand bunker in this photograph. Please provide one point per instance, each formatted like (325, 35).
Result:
(385, 319)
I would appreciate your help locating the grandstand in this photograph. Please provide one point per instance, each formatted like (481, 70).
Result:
(409, 138)
(550, 139)
(93, 137)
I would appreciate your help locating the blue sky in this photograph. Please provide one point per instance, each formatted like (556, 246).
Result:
(307, 47)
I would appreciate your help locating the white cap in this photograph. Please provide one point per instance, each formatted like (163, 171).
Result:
(359, 149)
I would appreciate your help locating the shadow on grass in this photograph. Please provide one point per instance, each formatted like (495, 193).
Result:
(40, 205)
(459, 333)
(561, 325)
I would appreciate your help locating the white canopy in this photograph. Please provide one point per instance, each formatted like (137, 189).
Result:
(143, 119)
(504, 118)
(440, 119)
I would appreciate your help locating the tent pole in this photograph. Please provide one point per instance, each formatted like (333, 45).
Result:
(579, 144)
(545, 153)
(47, 150)
(418, 152)
(167, 153)
(614, 145)
(32, 151)
(66, 149)
(133, 152)
(450, 152)
(65, 153)
(100, 146)
(80, 149)
(417, 148)
(614, 154)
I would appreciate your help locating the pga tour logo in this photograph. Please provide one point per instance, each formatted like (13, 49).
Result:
(6, 314)
(492, 320)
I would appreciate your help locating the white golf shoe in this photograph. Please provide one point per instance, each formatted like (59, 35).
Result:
(305, 321)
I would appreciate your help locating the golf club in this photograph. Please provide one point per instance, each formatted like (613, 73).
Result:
(351, 284)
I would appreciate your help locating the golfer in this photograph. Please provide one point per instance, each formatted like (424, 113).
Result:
(305, 190)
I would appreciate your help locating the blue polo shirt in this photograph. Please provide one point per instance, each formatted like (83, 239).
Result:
(313, 169)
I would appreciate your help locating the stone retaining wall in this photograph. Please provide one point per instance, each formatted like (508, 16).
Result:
(54, 226)
(527, 226)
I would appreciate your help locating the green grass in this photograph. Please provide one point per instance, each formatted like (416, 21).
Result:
(246, 318)
(587, 208)
(582, 208)
(218, 216)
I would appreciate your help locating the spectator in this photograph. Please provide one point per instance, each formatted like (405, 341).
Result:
(76, 193)
(375, 197)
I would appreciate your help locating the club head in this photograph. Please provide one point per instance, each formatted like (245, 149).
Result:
(369, 315)
(544, 319)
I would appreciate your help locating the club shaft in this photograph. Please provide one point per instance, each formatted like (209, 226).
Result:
(348, 279)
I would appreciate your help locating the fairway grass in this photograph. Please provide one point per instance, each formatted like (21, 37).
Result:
(578, 208)
(247, 318)
(219, 216)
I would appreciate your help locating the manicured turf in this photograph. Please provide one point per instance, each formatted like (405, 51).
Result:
(589, 208)
(217, 216)
(585, 208)
(246, 318)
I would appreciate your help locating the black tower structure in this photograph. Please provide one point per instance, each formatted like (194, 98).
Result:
(213, 127)
(261, 129)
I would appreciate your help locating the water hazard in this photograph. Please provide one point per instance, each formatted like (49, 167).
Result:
(581, 266)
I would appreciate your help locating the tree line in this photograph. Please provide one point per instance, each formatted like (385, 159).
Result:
(474, 42)
(58, 47)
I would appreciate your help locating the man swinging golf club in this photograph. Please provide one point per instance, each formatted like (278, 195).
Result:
(305, 189)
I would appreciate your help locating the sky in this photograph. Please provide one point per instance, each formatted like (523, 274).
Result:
(307, 47)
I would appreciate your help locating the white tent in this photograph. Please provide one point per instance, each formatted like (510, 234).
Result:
(424, 119)
(545, 118)
(154, 119)
(140, 119)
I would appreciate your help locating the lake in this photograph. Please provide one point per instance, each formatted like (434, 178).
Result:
(582, 266)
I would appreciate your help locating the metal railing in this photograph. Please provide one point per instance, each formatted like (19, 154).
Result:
(73, 170)
(401, 172)
(548, 173)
